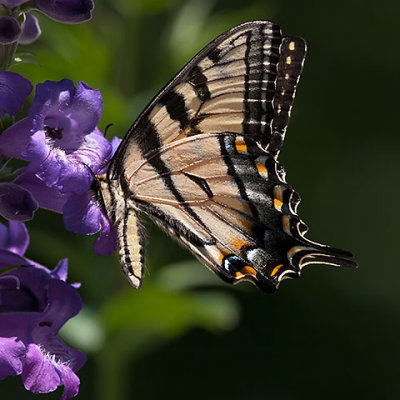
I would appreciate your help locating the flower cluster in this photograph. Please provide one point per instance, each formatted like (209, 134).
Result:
(62, 150)
(60, 140)
(34, 303)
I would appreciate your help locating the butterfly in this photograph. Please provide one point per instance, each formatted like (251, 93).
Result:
(201, 161)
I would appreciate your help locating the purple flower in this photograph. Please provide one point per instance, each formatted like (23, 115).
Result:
(30, 29)
(9, 29)
(65, 149)
(50, 198)
(16, 203)
(14, 241)
(67, 11)
(60, 138)
(14, 89)
(34, 304)
(81, 214)
(10, 4)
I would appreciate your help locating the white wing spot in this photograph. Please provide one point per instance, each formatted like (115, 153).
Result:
(291, 46)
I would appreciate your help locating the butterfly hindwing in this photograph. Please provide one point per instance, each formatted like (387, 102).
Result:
(201, 160)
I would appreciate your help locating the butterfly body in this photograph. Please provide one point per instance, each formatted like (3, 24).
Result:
(201, 161)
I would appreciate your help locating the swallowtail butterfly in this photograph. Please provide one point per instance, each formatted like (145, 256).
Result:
(201, 161)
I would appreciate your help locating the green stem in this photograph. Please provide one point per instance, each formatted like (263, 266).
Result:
(7, 52)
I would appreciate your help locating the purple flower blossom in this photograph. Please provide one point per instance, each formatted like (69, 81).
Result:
(65, 149)
(34, 304)
(14, 89)
(67, 11)
(30, 29)
(16, 203)
(9, 29)
(60, 138)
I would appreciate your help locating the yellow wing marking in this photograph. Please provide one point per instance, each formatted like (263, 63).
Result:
(276, 269)
(246, 270)
(240, 145)
(278, 198)
(278, 204)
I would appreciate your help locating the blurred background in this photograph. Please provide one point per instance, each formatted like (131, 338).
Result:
(331, 334)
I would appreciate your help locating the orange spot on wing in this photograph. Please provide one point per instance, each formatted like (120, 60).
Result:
(262, 169)
(247, 273)
(286, 224)
(237, 244)
(240, 145)
(247, 270)
(278, 203)
(276, 269)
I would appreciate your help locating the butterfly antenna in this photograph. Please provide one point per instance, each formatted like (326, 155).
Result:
(107, 128)
(90, 169)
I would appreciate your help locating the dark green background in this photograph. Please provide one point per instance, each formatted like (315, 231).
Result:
(333, 334)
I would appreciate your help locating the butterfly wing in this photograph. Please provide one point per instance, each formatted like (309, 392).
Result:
(201, 160)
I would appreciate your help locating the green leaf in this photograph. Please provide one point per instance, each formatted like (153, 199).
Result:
(169, 313)
(186, 275)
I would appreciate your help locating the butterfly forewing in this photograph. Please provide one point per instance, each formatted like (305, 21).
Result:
(201, 161)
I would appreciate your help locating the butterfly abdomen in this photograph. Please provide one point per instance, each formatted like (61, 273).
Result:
(130, 235)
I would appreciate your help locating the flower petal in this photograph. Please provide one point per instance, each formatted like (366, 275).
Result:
(14, 140)
(87, 159)
(12, 3)
(70, 380)
(115, 142)
(16, 203)
(43, 372)
(81, 215)
(61, 270)
(67, 11)
(8, 259)
(18, 238)
(50, 198)
(9, 29)
(106, 243)
(12, 351)
(39, 374)
(30, 29)
(64, 302)
(76, 111)
(14, 89)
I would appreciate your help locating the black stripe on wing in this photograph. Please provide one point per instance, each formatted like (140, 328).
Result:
(260, 83)
(176, 108)
(149, 146)
(260, 41)
(292, 54)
